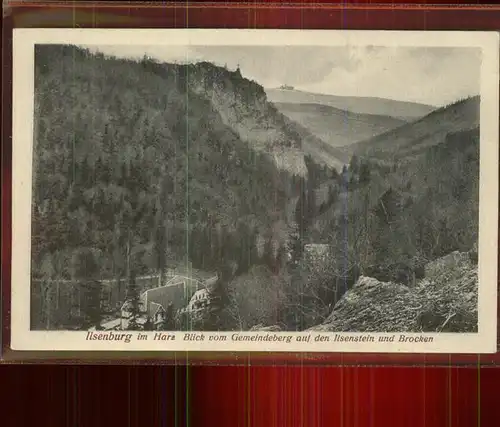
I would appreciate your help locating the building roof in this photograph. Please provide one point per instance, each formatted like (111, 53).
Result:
(183, 283)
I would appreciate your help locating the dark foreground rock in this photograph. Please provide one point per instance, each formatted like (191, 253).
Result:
(444, 301)
(448, 264)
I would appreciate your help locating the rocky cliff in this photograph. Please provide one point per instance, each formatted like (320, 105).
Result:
(243, 106)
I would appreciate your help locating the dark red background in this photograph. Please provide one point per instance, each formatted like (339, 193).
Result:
(246, 396)
(249, 397)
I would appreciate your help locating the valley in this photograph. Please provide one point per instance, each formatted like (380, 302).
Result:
(287, 198)
(338, 128)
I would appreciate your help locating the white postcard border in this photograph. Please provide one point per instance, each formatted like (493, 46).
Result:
(22, 338)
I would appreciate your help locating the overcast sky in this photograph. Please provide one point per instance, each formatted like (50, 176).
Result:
(429, 75)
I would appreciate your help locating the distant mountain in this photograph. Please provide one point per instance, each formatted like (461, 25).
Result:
(338, 127)
(406, 111)
(414, 138)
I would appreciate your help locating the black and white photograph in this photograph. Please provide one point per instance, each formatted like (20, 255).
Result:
(316, 185)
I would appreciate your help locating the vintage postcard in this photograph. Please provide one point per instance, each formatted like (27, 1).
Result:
(255, 190)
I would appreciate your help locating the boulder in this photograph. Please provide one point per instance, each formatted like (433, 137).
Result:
(445, 301)
(373, 306)
(453, 262)
(400, 272)
(449, 302)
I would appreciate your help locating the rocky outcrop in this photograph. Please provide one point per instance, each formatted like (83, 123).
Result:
(405, 273)
(243, 106)
(373, 306)
(448, 263)
(444, 301)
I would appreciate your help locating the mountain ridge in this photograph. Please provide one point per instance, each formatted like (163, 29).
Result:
(403, 110)
(429, 130)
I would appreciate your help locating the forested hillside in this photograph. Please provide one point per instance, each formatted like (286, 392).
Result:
(388, 224)
(138, 164)
(400, 219)
(413, 139)
(134, 160)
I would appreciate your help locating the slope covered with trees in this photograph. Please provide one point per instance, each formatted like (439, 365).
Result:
(133, 160)
(139, 163)
(388, 223)
(412, 139)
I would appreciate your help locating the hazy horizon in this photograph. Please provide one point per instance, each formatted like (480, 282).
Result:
(374, 97)
(424, 75)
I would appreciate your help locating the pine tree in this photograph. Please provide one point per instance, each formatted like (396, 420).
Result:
(301, 211)
(334, 174)
(281, 259)
(311, 205)
(294, 247)
(219, 300)
(92, 302)
(85, 270)
(332, 195)
(364, 173)
(205, 249)
(196, 247)
(354, 165)
(168, 322)
(132, 294)
(133, 304)
(344, 177)
(269, 258)
(254, 252)
(229, 247)
(159, 245)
